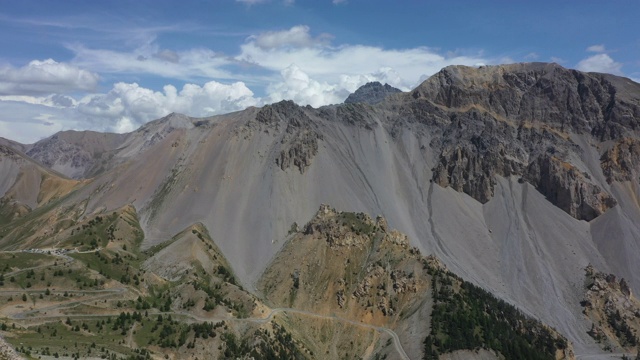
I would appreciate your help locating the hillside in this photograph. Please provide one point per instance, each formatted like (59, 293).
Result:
(358, 290)
(515, 176)
(350, 266)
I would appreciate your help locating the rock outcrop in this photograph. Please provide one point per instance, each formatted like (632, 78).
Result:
(622, 161)
(612, 309)
(299, 143)
(599, 104)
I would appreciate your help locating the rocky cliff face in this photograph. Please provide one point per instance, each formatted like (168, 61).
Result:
(371, 93)
(518, 120)
(598, 104)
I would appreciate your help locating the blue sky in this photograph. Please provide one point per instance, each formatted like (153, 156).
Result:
(114, 65)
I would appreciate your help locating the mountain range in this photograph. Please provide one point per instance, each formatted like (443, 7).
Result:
(516, 178)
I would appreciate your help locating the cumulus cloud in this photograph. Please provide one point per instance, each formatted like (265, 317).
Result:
(132, 105)
(328, 64)
(602, 63)
(124, 108)
(597, 48)
(48, 76)
(298, 86)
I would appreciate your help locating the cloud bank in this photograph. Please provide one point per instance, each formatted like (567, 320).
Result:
(45, 77)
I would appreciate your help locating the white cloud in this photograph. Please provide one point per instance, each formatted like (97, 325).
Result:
(532, 56)
(602, 63)
(42, 77)
(337, 2)
(297, 36)
(132, 104)
(297, 86)
(597, 48)
(123, 109)
(328, 63)
(149, 59)
(271, 52)
(53, 100)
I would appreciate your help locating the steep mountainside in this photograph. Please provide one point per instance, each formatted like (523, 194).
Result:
(515, 176)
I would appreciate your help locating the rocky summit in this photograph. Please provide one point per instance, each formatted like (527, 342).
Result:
(186, 236)
(371, 93)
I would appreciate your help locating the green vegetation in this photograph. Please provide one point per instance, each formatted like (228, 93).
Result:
(465, 316)
(622, 330)
(23, 260)
(356, 222)
(75, 338)
(113, 265)
(278, 345)
(120, 227)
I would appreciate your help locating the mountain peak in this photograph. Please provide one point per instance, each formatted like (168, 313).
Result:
(371, 93)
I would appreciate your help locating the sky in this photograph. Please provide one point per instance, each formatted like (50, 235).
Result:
(115, 65)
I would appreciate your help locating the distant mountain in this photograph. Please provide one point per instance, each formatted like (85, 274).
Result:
(515, 176)
(77, 154)
(371, 93)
